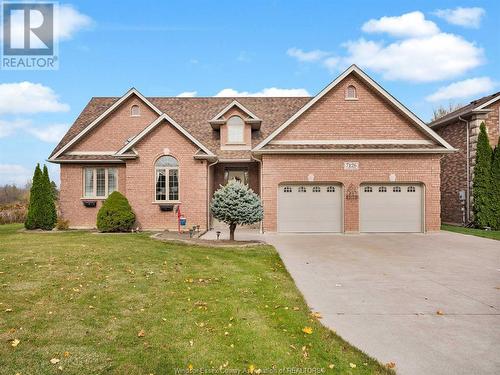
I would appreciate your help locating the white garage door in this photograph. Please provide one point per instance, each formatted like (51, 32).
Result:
(391, 208)
(310, 208)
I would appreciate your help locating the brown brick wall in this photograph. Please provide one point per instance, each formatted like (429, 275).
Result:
(333, 117)
(492, 123)
(330, 168)
(165, 139)
(112, 132)
(453, 173)
(70, 198)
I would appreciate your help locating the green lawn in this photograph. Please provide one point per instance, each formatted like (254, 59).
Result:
(126, 304)
(493, 234)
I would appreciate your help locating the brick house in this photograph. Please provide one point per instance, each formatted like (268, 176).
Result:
(461, 129)
(350, 159)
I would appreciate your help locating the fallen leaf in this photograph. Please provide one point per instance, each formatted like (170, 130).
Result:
(440, 312)
(60, 368)
(251, 369)
(307, 330)
(391, 365)
(55, 360)
(67, 354)
(190, 367)
(316, 315)
(15, 342)
(141, 333)
(331, 365)
(191, 342)
(8, 310)
(353, 365)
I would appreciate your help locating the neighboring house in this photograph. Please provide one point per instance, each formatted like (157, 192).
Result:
(460, 128)
(350, 159)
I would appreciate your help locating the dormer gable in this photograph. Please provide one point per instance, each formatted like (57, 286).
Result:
(247, 116)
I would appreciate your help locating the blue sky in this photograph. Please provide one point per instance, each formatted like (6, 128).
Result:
(425, 53)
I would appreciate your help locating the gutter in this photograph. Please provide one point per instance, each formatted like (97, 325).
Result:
(467, 190)
(208, 191)
(260, 188)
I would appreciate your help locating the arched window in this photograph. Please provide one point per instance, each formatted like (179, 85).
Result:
(235, 130)
(351, 92)
(135, 111)
(167, 179)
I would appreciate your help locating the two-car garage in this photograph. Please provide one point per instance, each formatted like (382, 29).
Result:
(319, 208)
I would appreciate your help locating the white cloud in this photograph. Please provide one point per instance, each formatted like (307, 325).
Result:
(50, 133)
(467, 17)
(187, 94)
(331, 63)
(304, 56)
(437, 57)
(28, 97)
(272, 91)
(14, 174)
(8, 128)
(70, 21)
(67, 22)
(463, 89)
(411, 24)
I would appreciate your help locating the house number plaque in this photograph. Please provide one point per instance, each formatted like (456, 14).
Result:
(351, 165)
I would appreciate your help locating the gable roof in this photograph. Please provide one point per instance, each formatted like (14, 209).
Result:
(234, 103)
(193, 115)
(60, 148)
(153, 125)
(466, 110)
(354, 69)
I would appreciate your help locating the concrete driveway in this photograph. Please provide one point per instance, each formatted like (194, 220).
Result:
(381, 293)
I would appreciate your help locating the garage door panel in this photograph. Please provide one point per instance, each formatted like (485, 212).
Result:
(391, 208)
(306, 210)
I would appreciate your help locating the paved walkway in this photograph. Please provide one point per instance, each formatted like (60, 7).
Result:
(382, 292)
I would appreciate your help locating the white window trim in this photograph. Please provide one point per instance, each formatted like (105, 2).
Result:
(167, 185)
(132, 111)
(94, 183)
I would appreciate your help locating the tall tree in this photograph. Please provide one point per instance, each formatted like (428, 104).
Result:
(36, 192)
(482, 182)
(49, 198)
(441, 111)
(495, 179)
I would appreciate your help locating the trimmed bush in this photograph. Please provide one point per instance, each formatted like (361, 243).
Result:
(482, 184)
(495, 179)
(115, 215)
(41, 209)
(236, 204)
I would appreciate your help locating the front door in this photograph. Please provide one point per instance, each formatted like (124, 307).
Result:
(240, 175)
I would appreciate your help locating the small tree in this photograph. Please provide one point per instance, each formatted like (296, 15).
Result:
(115, 215)
(482, 183)
(41, 209)
(495, 178)
(236, 204)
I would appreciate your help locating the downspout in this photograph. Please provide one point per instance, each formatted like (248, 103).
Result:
(467, 191)
(260, 188)
(208, 192)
